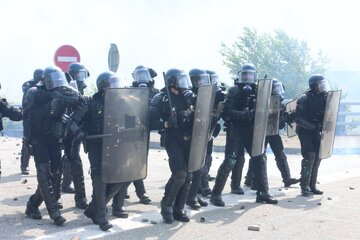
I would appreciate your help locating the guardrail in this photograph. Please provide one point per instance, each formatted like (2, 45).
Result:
(348, 119)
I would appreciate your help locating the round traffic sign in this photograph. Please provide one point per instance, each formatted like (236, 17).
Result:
(65, 55)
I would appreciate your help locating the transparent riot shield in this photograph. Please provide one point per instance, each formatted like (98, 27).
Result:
(274, 115)
(329, 124)
(124, 155)
(261, 116)
(291, 128)
(201, 127)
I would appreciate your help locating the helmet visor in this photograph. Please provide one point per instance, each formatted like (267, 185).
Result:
(142, 76)
(55, 79)
(81, 75)
(183, 81)
(201, 79)
(248, 77)
(324, 86)
(277, 89)
(112, 82)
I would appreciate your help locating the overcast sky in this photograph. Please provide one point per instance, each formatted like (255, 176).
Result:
(163, 33)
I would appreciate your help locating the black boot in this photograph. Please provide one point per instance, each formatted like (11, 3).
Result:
(90, 212)
(220, 182)
(236, 177)
(25, 157)
(79, 185)
(194, 187)
(141, 193)
(118, 209)
(261, 180)
(202, 202)
(263, 197)
(249, 175)
(56, 181)
(182, 196)
(314, 175)
(306, 171)
(205, 188)
(283, 166)
(290, 181)
(172, 188)
(99, 203)
(47, 193)
(32, 206)
(66, 179)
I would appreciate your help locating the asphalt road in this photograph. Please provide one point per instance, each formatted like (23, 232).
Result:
(295, 217)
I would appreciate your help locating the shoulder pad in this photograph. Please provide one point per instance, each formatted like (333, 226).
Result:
(300, 103)
(32, 90)
(159, 97)
(29, 98)
(233, 91)
(301, 99)
(27, 85)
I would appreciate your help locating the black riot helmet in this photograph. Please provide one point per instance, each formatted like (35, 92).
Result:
(199, 78)
(247, 74)
(54, 77)
(177, 79)
(106, 80)
(37, 75)
(78, 71)
(142, 77)
(214, 77)
(317, 82)
(278, 88)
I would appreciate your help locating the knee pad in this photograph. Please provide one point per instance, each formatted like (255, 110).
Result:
(230, 160)
(188, 177)
(280, 156)
(179, 176)
(310, 156)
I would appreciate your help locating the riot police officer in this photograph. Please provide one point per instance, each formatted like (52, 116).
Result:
(215, 129)
(71, 161)
(46, 107)
(143, 77)
(25, 155)
(8, 111)
(276, 144)
(198, 78)
(239, 112)
(93, 125)
(310, 112)
(172, 110)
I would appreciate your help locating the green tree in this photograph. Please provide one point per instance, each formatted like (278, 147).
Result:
(276, 55)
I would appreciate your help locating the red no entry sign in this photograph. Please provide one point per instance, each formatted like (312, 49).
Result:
(65, 55)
